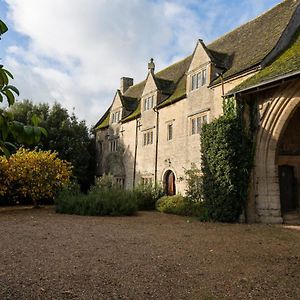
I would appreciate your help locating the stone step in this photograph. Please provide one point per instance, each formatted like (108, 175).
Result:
(292, 222)
(292, 218)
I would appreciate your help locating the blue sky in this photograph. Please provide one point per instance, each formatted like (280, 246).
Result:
(75, 52)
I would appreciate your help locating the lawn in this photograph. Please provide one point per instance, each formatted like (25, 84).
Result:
(44, 255)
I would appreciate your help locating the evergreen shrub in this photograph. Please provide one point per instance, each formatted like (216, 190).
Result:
(226, 164)
(147, 195)
(179, 205)
(99, 201)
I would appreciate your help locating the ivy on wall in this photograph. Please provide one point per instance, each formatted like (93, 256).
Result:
(226, 165)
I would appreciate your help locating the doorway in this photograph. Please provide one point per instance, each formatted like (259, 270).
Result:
(169, 183)
(287, 184)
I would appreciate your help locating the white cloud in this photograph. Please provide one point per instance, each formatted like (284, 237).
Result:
(78, 50)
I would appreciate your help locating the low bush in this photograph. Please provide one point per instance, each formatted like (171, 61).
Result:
(32, 176)
(179, 205)
(147, 195)
(194, 183)
(98, 202)
(104, 182)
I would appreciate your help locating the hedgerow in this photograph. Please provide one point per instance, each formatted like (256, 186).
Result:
(105, 198)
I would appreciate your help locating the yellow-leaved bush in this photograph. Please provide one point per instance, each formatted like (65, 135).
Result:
(33, 174)
(3, 174)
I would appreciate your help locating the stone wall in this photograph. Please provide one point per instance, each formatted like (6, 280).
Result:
(275, 109)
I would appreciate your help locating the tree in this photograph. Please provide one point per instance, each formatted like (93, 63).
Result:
(66, 135)
(21, 133)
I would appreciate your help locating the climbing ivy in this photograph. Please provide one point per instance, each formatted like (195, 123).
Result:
(226, 165)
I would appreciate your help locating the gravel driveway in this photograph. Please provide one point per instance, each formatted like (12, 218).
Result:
(44, 255)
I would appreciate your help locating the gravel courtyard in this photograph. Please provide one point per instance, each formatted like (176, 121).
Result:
(44, 255)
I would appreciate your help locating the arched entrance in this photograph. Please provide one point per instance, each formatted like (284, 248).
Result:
(169, 183)
(276, 112)
(288, 158)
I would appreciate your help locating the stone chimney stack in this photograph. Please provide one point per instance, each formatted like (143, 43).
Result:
(126, 83)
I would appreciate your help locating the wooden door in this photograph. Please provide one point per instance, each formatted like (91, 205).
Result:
(287, 188)
(171, 184)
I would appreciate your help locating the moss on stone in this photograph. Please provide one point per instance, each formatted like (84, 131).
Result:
(179, 93)
(287, 62)
(105, 122)
(134, 114)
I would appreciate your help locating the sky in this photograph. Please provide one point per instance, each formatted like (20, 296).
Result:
(75, 52)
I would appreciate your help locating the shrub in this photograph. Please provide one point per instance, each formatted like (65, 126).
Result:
(147, 195)
(34, 175)
(104, 182)
(4, 166)
(226, 164)
(194, 184)
(179, 205)
(98, 202)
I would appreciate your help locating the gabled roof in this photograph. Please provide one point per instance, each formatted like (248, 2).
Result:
(104, 121)
(236, 52)
(246, 46)
(286, 63)
(128, 103)
(171, 81)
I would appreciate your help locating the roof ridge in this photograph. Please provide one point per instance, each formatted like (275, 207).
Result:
(172, 65)
(250, 21)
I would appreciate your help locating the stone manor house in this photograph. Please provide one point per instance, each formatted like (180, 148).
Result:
(150, 133)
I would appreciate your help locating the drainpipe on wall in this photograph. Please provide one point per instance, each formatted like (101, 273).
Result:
(222, 83)
(156, 145)
(135, 151)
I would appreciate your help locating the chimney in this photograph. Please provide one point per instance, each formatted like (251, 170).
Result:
(151, 66)
(126, 83)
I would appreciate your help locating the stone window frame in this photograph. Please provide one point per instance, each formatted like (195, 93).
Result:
(114, 145)
(196, 121)
(170, 131)
(120, 181)
(148, 138)
(147, 180)
(148, 103)
(198, 79)
(116, 116)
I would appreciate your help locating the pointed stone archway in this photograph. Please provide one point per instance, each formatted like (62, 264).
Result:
(275, 113)
(169, 183)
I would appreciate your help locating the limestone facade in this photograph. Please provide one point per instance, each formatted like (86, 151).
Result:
(151, 132)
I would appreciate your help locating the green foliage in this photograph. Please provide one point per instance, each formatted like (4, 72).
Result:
(226, 164)
(8, 126)
(66, 135)
(194, 184)
(32, 176)
(147, 195)
(179, 205)
(98, 202)
(106, 181)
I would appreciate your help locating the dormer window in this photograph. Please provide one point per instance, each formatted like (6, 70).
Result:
(116, 117)
(199, 79)
(148, 103)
